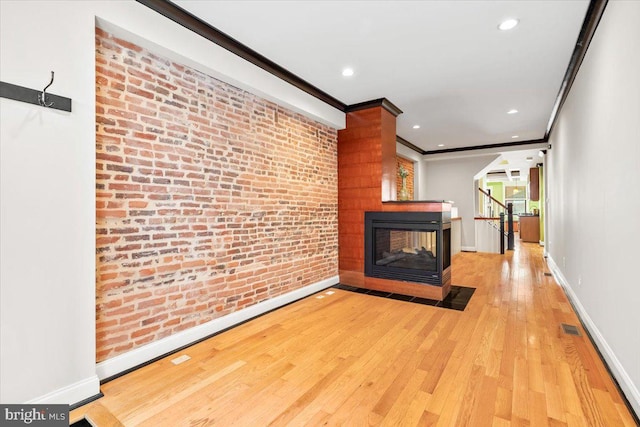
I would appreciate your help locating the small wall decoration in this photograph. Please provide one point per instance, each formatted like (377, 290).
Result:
(403, 173)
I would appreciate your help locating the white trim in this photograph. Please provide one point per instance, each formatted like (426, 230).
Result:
(541, 242)
(468, 249)
(626, 384)
(70, 394)
(148, 352)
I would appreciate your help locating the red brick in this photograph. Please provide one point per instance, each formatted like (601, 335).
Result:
(151, 302)
(135, 317)
(144, 331)
(198, 197)
(109, 73)
(111, 213)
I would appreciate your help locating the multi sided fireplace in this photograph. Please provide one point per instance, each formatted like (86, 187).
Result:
(408, 246)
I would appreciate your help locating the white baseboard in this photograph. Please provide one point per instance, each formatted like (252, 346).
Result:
(629, 389)
(141, 355)
(541, 242)
(468, 248)
(70, 394)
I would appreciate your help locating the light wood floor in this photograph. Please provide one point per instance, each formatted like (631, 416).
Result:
(350, 360)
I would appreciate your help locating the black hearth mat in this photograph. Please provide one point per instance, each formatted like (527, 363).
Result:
(82, 423)
(458, 297)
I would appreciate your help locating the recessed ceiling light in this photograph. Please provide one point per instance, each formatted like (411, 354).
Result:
(440, 145)
(347, 72)
(529, 159)
(416, 126)
(508, 24)
(512, 111)
(515, 136)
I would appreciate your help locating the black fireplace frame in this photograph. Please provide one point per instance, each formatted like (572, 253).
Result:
(411, 221)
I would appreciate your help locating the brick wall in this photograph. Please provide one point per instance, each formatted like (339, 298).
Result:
(408, 165)
(209, 199)
(399, 239)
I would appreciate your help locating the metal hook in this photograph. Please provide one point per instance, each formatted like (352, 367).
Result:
(43, 96)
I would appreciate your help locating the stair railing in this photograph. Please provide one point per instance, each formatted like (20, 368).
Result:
(496, 212)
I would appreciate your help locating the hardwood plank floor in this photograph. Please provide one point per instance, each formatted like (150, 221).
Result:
(349, 359)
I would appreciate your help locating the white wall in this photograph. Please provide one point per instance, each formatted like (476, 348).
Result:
(593, 201)
(47, 221)
(452, 179)
(487, 237)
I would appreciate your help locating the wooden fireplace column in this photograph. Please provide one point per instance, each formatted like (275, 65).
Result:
(367, 182)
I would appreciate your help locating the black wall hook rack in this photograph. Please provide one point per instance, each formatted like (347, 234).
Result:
(36, 97)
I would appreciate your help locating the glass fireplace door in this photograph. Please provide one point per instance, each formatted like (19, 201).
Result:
(397, 248)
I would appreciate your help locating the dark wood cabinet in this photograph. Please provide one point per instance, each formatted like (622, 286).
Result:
(534, 184)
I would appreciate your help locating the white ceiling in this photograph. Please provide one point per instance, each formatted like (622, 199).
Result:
(443, 63)
(509, 161)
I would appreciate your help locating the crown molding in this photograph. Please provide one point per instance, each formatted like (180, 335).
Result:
(198, 26)
(589, 25)
(407, 144)
(381, 102)
(182, 17)
(487, 146)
